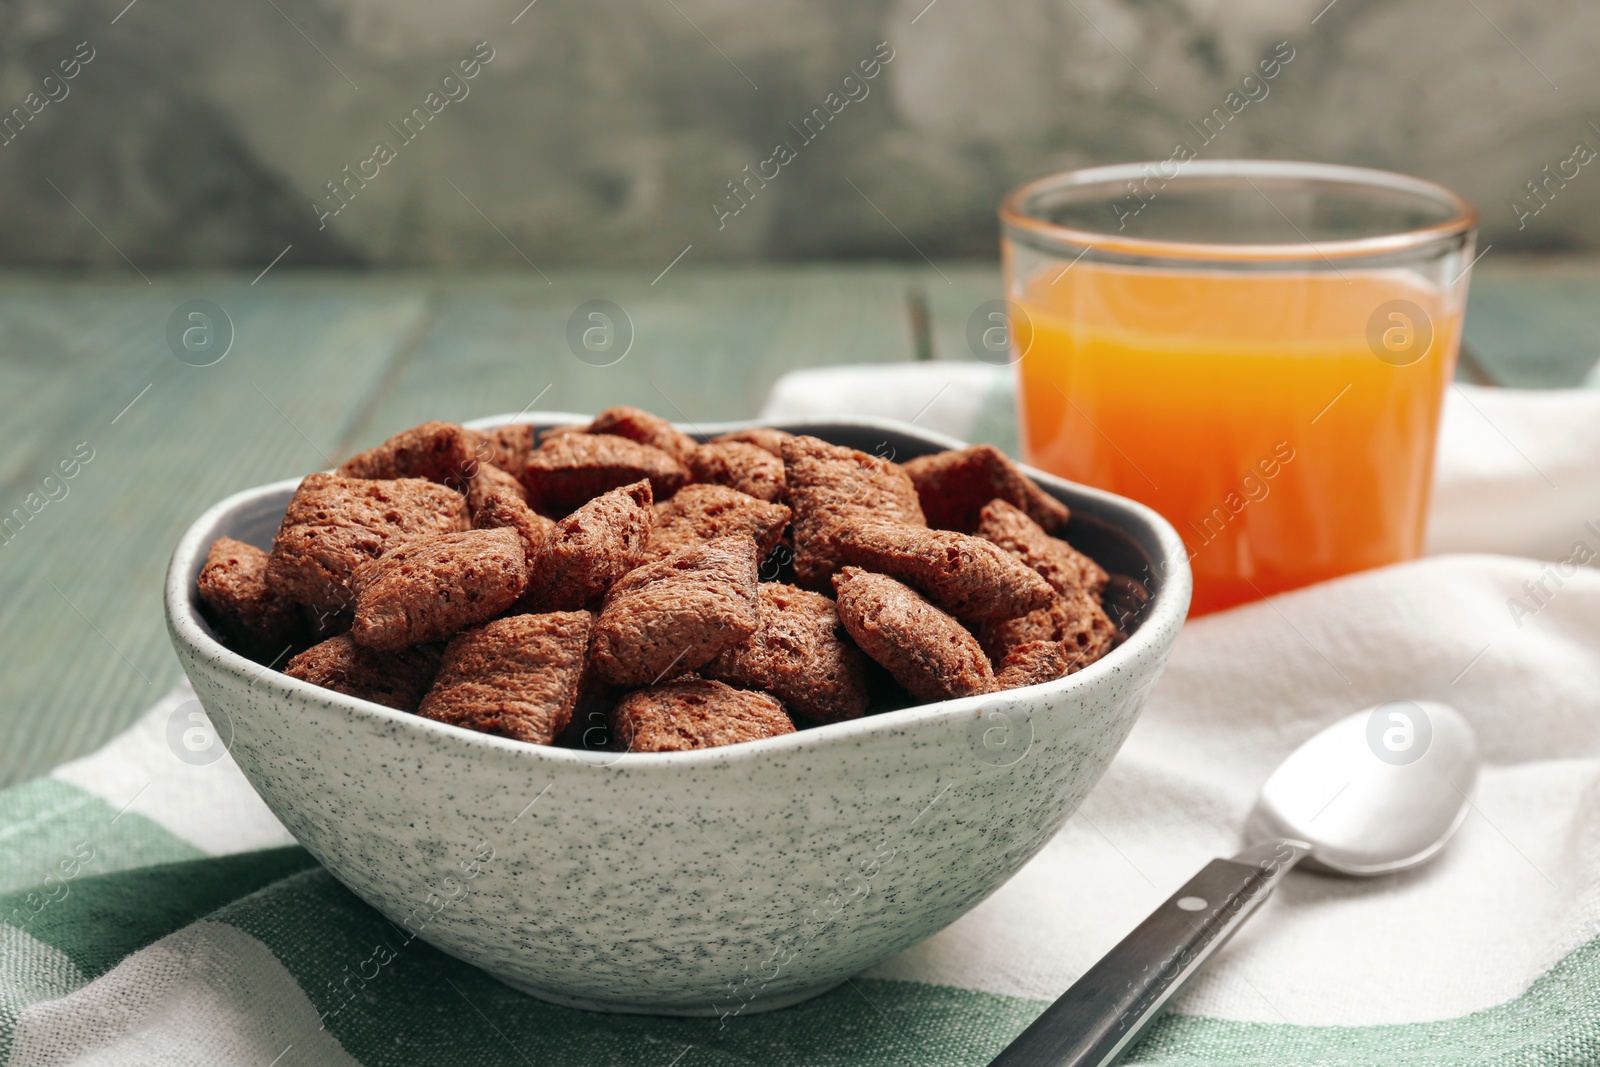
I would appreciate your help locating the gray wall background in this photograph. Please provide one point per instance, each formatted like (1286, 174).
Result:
(202, 131)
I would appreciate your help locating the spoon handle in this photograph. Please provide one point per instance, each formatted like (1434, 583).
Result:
(1101, 1016)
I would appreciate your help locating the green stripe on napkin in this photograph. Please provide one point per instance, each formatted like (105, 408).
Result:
(390, 1001)
(48, 827)
(96, 921)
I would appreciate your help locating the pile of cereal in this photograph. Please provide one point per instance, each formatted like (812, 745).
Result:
(618, 584)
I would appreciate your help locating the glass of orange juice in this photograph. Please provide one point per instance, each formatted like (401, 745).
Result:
(1257, 350)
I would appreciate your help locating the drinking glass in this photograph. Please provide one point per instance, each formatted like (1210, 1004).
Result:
(1258, 350)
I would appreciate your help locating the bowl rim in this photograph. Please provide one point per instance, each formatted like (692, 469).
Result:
(1167, 608)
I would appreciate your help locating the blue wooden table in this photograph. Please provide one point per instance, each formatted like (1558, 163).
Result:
(322, 365)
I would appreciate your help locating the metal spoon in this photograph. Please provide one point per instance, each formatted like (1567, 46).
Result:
(1379, 791)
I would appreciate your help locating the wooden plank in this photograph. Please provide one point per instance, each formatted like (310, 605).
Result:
(708, 343)
(954, 292)
(1534, 323)
(80, 582)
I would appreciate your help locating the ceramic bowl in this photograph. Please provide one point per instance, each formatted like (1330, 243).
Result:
(735, 879)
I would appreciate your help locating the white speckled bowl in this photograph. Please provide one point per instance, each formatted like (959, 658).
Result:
(701, 883)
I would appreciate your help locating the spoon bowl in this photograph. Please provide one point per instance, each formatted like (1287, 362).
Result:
(1379, 791)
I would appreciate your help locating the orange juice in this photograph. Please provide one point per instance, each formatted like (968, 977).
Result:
(1249, 409)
